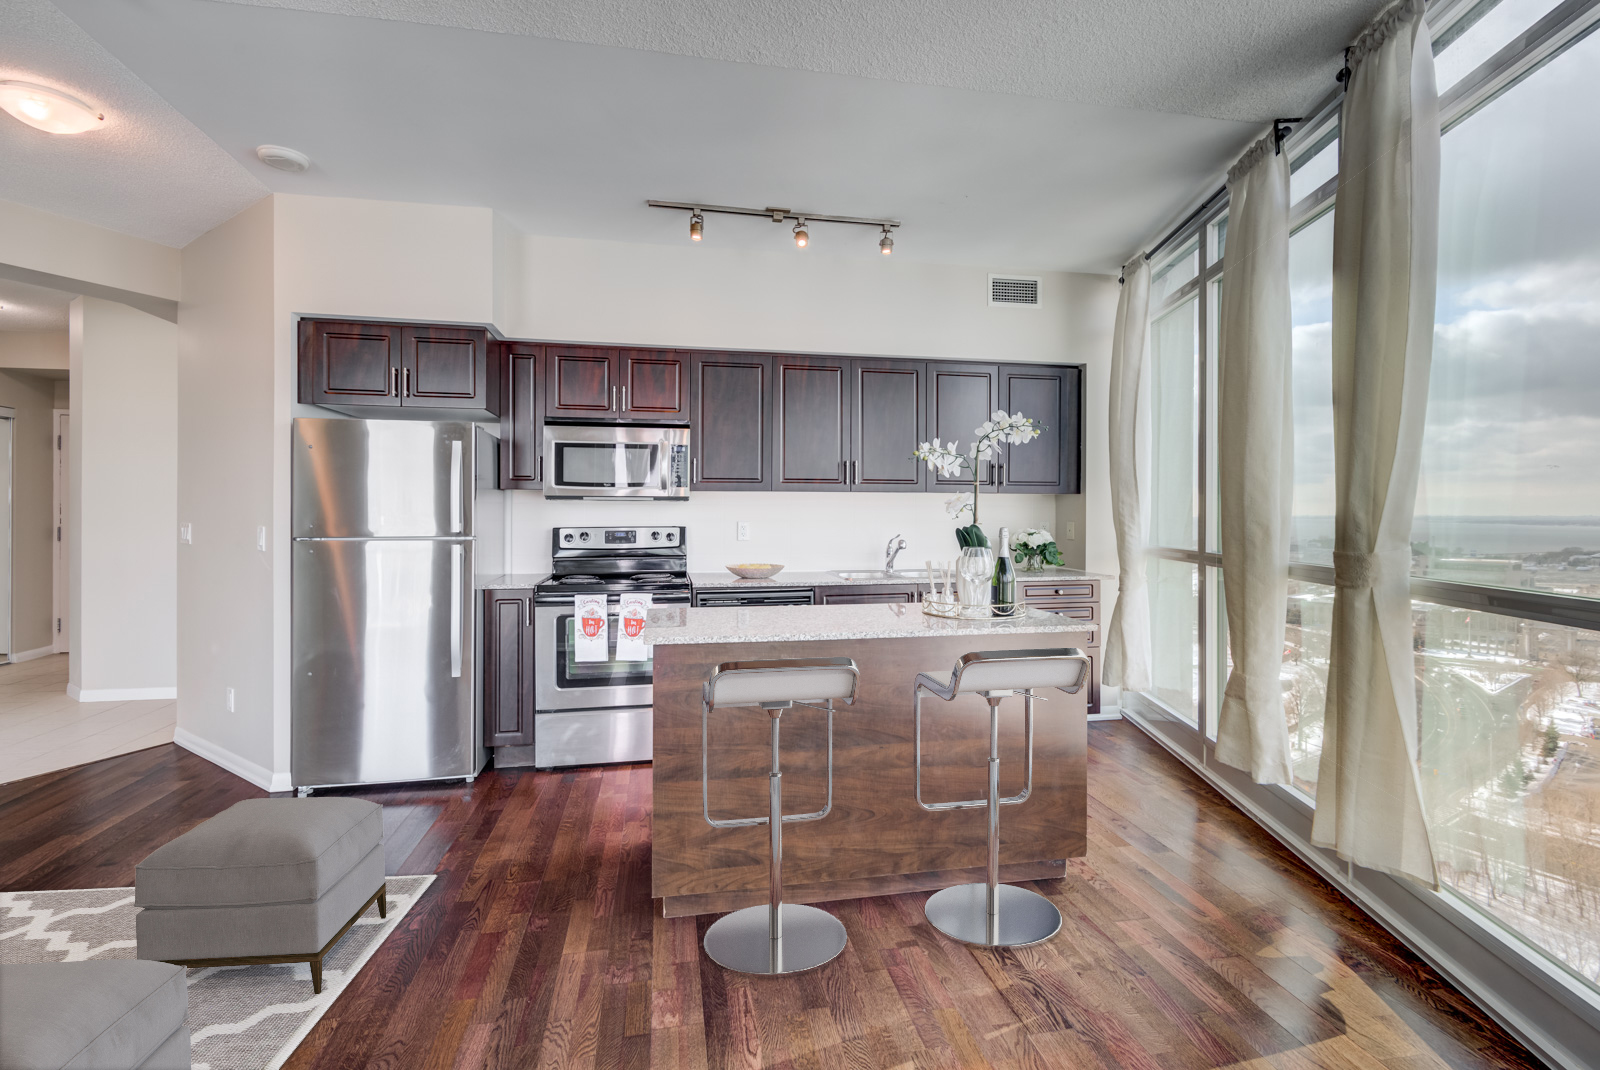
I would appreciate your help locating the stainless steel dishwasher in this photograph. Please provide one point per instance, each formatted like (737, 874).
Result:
(765, 596)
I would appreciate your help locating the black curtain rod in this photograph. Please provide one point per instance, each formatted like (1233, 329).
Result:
(1190, 218)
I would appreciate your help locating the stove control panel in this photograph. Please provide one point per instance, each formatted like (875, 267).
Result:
(618, 540)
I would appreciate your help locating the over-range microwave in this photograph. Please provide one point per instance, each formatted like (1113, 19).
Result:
(616, 461)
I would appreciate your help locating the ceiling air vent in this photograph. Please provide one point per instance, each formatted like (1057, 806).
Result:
(1016, 290)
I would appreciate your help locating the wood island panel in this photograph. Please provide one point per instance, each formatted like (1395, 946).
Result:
(877, 841)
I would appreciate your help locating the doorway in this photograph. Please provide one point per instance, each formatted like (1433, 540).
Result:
(58, 546)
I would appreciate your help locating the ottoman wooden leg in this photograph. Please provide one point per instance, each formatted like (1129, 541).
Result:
(316, 975)
(383, 900)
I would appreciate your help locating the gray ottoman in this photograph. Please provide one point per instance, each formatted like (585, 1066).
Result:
(266, 880)
(109, 1015)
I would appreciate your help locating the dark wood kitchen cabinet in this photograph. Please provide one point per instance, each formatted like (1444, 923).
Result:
(811, 423)
(586, 382)
(426, 372)
(960, 397)
(731, 414)
(521, 420)
(887, 422)
(1071, 596)
(1052, 396)
(508, 668)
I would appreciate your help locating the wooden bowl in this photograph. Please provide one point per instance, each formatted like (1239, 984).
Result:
(754, 571)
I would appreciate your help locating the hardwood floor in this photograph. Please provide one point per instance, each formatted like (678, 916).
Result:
(1191, 939)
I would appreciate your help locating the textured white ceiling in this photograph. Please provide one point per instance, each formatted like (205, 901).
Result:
(570, 139)
(1225, 59)
(24, 307)
(148, 172)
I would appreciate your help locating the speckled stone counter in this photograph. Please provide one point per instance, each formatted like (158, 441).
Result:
(512, 581)
(725, 579)
(684, 625)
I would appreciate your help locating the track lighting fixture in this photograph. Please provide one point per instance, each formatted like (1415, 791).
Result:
(802, 221)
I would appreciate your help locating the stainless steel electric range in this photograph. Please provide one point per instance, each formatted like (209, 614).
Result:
(592, 712)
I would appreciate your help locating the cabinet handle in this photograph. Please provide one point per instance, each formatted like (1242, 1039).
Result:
(624, 407)
(394, 382)
(1000, 475)
(406, 378)
(540, 477)
(613, 399)
(694, 467)
(527, 612)
(855, 475)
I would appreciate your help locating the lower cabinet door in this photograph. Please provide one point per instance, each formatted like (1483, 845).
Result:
(508, 669)
(873, 595)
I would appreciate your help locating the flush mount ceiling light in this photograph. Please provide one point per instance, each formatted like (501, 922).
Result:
(48, 109)
(283, 159)
(802, 220)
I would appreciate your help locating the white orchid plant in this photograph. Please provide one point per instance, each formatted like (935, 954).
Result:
(948, 460)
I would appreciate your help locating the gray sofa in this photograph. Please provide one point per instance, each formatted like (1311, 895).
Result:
(118, 1014)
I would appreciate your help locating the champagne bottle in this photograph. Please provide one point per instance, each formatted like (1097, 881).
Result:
(1003, 590)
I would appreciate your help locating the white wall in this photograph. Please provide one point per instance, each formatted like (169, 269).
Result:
(122, 503)
(56, 245)
(33, 350)
(228, 402)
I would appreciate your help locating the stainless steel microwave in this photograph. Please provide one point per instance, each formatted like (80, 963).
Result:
(615, 461)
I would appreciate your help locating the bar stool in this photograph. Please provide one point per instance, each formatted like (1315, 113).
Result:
(994, 914)
(780, 937)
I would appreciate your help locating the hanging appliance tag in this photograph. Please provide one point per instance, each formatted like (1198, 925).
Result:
(631, 645)
(591, 628)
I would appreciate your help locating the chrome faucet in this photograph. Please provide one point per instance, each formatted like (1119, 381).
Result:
(891, 551)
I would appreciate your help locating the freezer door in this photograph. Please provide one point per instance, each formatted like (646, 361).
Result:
(383, 662)
(355, 479)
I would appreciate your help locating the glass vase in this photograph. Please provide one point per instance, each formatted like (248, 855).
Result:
(1027, 562)
(975, 566)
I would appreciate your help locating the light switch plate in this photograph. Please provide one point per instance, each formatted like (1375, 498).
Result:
(1072, 531)
(186, 534)
(261, 537)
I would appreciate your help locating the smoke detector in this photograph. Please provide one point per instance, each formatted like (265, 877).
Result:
(283, 159)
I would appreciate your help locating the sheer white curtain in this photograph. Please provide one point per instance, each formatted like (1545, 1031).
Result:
(1385, 251)
(1255, 462)
(1127, 662)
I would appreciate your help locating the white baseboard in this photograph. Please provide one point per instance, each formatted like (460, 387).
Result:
(29, 655)
(259, 775)
(119, 694)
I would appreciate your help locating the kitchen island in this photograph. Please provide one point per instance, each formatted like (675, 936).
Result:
(877, 841)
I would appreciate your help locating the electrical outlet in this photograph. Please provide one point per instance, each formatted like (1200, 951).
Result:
(261, 538)
(228, 694)
(744, 531)
(186, 533)
(1072, 531)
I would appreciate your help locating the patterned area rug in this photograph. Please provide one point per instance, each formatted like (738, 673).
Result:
(240, 1017)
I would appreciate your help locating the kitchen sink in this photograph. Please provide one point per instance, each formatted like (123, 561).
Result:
(879, 574)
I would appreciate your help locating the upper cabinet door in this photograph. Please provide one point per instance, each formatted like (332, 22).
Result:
(1052, 395)
(655, 384)
(960, 397)
(732, 419)
(887, 417)
(811, 423)
(581, 381)
(344, 364)
(446, 368)
(520, 418)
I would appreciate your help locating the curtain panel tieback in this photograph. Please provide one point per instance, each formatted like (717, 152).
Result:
(1353, 570)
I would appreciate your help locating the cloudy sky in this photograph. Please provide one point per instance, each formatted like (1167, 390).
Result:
(1514, 402)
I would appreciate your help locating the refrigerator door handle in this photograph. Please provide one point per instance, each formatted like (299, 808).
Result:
(455, 485)
(457, 556)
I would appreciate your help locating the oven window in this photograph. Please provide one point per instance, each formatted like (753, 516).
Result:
(606, 464)
(571, 673)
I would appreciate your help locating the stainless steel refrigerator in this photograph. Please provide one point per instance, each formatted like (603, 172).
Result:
(382, 626)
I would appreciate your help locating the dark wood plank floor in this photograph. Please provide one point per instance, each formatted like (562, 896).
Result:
(1191, 939)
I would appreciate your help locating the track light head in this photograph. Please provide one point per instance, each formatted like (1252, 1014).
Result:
(801, 238)
(697, 226)
(886, 243)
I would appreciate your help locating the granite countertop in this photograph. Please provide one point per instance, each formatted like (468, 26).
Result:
(685, 625)
(510, 581)
(725, 579)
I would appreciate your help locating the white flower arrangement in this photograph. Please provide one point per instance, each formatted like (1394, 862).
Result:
(947, 459)
(1036, 547)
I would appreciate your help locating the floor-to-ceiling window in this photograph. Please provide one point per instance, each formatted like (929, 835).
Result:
(1506, 543)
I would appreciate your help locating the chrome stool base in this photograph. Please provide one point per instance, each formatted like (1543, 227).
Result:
(811, 937)
(1021, 916)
